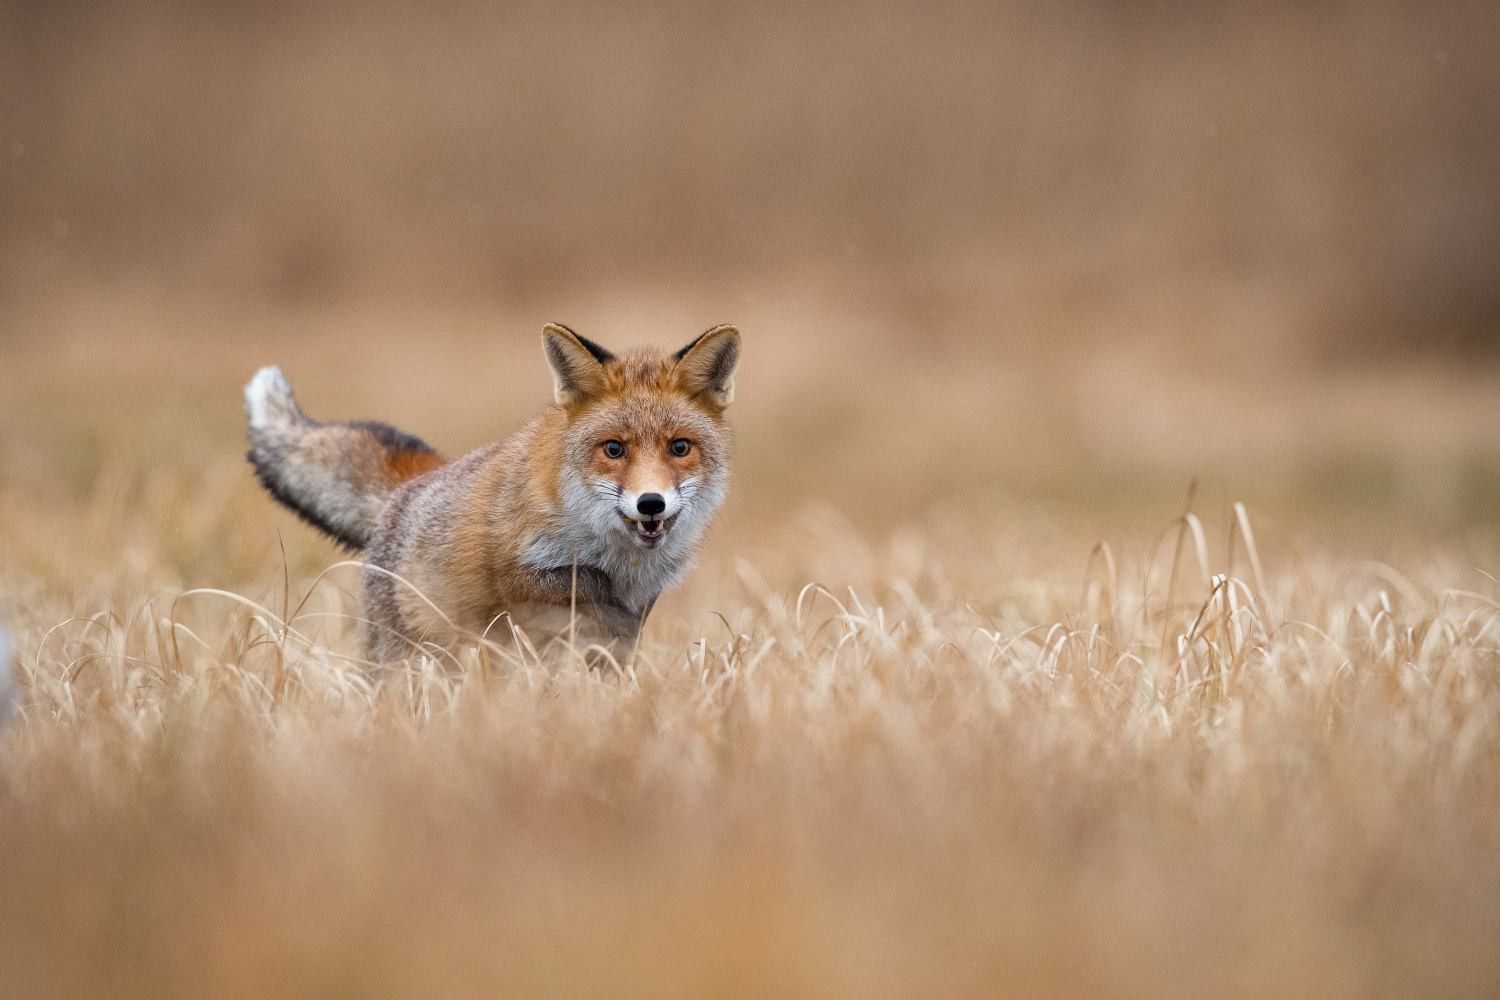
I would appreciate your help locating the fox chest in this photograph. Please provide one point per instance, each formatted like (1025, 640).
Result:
(637, 575)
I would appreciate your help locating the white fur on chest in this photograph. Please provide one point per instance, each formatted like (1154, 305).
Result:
(589, 527)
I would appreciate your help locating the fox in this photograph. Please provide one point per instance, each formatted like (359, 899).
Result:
(573, 525)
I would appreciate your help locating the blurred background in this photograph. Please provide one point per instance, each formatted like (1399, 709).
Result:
(987, 257)
(1011, 277)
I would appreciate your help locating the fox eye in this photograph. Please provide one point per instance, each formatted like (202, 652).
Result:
(681, 447)
(614, 449)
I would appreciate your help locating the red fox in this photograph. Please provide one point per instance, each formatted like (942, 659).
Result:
(581, 518)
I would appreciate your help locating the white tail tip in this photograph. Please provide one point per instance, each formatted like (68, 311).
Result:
(268, 398)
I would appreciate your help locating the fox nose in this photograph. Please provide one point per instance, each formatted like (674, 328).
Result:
(650, 504)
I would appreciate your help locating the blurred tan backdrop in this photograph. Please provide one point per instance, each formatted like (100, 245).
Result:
(1073, 252)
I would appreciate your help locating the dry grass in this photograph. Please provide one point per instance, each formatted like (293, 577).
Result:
(958, 703)
(984, 757)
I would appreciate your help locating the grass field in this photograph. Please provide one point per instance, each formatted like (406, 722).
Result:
(966, 697)
(1105, 604)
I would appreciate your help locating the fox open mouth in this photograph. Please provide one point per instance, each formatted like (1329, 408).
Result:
(649, 531)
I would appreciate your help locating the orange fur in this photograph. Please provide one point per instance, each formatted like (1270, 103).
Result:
(400, 466)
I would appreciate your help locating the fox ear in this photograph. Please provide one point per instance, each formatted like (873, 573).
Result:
(707, 364)
(577, 364)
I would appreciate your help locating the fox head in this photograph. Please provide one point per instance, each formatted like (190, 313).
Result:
(645, 451)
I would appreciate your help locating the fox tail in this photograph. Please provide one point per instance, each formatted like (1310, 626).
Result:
(335, 476)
